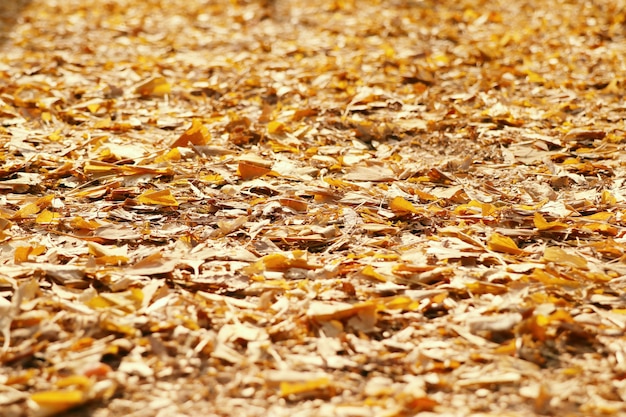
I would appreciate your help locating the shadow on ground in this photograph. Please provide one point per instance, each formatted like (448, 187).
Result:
(9, 15)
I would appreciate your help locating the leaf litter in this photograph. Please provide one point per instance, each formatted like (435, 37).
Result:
(337, 208)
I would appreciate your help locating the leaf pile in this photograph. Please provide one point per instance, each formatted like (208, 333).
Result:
(312, 208)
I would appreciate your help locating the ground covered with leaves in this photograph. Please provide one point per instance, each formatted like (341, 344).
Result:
(333, 208)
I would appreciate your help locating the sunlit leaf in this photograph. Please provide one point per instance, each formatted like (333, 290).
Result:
(401, 206)
(290, 388)
(47, 217)
(197, 135)
(247, 170)
(157, 86)
(158, 197)
(504, 244)
(541, 224)
(370, 272)
(60, 400)
(560, 256)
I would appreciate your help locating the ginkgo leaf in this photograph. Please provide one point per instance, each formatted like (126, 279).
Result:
(504, 244)
(23, 253)
(560, 256)
(291, 388)
(158, 197)
(370, 272)
(276, 127)
(197, 135)
(157, 86)
(47, 217)
(541, 224)
(80, 223)
(248, 171)
(401, 205)
(57, 401)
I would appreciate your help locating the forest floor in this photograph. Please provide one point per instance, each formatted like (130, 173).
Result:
(330, 208)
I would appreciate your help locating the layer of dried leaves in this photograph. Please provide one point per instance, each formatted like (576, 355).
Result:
(333, 208)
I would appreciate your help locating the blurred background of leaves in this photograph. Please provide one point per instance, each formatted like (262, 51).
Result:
(10, 11)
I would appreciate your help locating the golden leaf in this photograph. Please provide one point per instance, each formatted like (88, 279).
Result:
(370, 272)
(289, 388)
(248, 171)
(559, 256)
(197, 135)
(60, 400)
(157, 86)
(401, 206)
(541, 224)
(79, 223)
(47, 217)
(158, 198)
(74, 380)
(504, 244)
(22, 253)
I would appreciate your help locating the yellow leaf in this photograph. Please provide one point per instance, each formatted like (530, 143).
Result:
(549, 279)
(197, 135)
(533, 77)
(78, 223)
(115, 260)
(213, 178)
(424, 196)
(370, 272)
(276, 127)
(158, 198)
(603, 216)
(290, 388)
(157, 86)
(60, 400)
(504, 244)
(172, 155)
(541, 224)
(99, 302)
(21, 254)
(399, 206)
(603, 228)
(559, 256)
(33, 208)
(608, 198)
(47, 217)
(76, 380)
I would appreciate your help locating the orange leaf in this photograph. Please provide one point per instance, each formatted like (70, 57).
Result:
(504, 244)
(21, 254)
(158, 198)
(197, 134)
(292, 203)
(248, 171)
